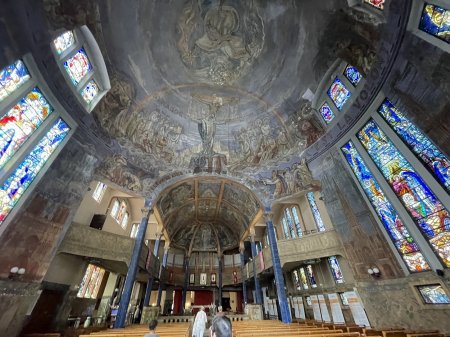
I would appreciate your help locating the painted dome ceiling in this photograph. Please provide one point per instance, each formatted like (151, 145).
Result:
(206, 214)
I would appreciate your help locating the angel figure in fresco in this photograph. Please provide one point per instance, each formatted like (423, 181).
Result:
(207, 125)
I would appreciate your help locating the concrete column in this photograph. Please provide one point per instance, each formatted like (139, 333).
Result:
(186, 280)
(132, 269)
(258, 298)
(219, 281)
(243, 276)
(161, 278)
(279, 279)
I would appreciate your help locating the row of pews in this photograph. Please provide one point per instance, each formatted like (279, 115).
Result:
(163, 330)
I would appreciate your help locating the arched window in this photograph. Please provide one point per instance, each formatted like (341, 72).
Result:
(335, 269)
(115, 208)
(92, 280)
(124, 222)
(33, 129)
(315, 210)
(311, 276)
(119, 212)
(99, 191)
(292, 226)
(134, 230)
(82, 64)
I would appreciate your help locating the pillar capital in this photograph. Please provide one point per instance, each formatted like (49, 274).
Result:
(268, 216)
(241, 247)
(146, 212)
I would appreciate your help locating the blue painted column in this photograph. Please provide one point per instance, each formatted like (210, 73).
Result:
(161, 278)
(219, 281)
(132, 269)
(150, 257)
(243, 277)
(258, 299)
(186, 280)
(282, 298)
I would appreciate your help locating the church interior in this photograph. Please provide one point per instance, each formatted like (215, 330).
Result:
(286, 160)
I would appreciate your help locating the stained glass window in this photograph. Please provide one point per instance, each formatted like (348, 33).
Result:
(121, 212)
(99, 191)
(78, 66)
(338, 93)
(435, 21)
(26, 172)
(92, 280)
(335, 269)
(315, 211)
(326, 113)
(296, 280)
(297, 222)
(64, 41)
(12, 77)
(124, 222)
(285, 228)
(433, 294)
(311, 276)
(399, 234)
(437, 162)
(134, 230)
(422, 204)
(376, 3)
(115, 208)
(290, 222)
(90, 91)
(303, 279)
(19, 123)
(352, 74)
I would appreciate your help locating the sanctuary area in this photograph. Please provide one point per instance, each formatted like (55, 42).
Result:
(282, 163)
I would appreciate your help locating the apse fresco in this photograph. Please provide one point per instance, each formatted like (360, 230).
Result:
(18, 182)
(326, 113)
(335, 269)
(317, 217)
(433, 294)
(435, 21)
(436, 161)
(376, 3)
(12, 77)
(352, 74)
(20, 122)
(398, 233)
(338, 93)
(64, 41)
(90, 91)
(422, 204)
(78, 66)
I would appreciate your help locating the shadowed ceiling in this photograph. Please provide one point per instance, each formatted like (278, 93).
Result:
(207, 214)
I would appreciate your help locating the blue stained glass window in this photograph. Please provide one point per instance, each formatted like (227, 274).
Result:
(14, 187)
(315, 211)
(326, 113)
(12, 77)
(437, 162)
(399, 234)
(296, 280)
(338, 93)
(303, 278)
(78, 66)
(20, 122)
(290, 222)
(64, 41)
(90, 91)
(335, 269)
(435, 21)
(422, 204)
(297, 222)
(352, 74)
(311, 276)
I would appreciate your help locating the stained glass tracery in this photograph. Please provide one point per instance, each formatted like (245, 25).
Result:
(437, 162)
(20, 122)
(315, 210)
(352, 74)
(335, 269)
(399, 234)
(435, 21)
(338, 93)
(326, 113)
(64, 41)
(78, 66)
(425, 208)
(22, 177)
(12, 77)
(376, 3)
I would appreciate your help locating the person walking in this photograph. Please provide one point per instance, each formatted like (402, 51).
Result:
(199, 323)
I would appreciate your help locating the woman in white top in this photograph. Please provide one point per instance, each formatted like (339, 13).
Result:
(199, 323)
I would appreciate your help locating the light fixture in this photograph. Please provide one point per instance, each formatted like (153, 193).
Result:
(374, 272)
(16, 272)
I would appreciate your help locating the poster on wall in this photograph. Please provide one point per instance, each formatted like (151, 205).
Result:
(324, 309)
(192, 278)
(213, 278)
(336, 311)
(357, 309)
(203, 279)
(316, 308)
